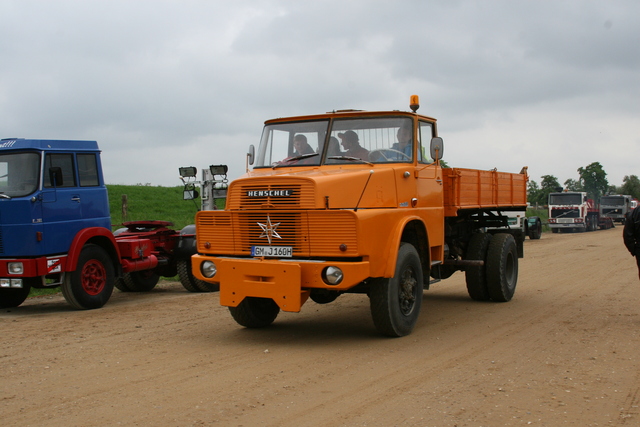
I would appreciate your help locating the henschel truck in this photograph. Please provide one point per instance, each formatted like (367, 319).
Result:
(379, 216)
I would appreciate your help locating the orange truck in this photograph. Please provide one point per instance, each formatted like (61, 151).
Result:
(358, 202)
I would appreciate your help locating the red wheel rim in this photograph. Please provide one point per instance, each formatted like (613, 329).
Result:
(94, 277)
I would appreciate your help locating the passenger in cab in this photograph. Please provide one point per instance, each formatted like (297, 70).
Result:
(351, 143)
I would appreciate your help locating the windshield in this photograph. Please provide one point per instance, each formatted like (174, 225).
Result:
(19, 174)
(612, 201)
(364, 140)
(565, 199)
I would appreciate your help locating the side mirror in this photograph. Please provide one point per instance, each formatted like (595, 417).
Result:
(251, 154)
(55, 176)
(437, 148)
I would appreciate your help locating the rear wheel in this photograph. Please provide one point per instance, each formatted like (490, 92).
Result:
(476, 276)
(121, 285)
(91, 284)
(395, 303)
(190, 282)
(13, 297)
(141, 281)
(255, 312)
(502, 267)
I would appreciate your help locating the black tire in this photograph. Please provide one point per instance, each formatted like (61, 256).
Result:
(476, 277)
(121, 285)
(554, 230)
(141, 281)
(13, 297)
(502, 267)
(395, 303)
(190, 282)
(255, 312)
(323, 296)
(535, 232)
(91, 284)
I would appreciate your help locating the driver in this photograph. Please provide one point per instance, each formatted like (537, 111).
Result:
(405, 143)
(301, 145)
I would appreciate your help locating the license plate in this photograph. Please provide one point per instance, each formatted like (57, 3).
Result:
(272, 251)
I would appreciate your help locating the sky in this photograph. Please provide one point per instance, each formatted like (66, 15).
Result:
(552, 85)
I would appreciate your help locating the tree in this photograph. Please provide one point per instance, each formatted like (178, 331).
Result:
(593, 180)
(533, 194)
(631, 186)
(549, 184)
(573, 185)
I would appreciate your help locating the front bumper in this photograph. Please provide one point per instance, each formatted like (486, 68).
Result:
(580, 226)
(287, 282)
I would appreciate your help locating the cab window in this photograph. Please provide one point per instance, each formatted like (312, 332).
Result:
(65, 163)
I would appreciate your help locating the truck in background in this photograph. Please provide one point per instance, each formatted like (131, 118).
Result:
(574, 211)
(530, 226)
(616, 207)
(381, 218)
(55, 228)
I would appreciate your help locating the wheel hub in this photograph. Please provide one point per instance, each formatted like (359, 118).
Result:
(93, 277)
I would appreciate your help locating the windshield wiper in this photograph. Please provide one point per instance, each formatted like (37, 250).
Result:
(353, 159)
(293, 159)
(4, 196)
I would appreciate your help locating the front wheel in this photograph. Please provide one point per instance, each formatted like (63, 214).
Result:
(91, 284)
(502, 267)
(255, 312)
(395, 303)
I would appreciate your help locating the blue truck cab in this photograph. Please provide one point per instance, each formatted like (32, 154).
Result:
(53, 201)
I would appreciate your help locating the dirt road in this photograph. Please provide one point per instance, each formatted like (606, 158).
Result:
(564, 351)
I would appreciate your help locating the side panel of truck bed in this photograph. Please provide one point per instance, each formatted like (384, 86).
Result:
(478, 189)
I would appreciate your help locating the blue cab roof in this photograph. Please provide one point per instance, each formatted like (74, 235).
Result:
(47, 144)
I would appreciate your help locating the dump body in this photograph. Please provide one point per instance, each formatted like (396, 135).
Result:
(326, 221)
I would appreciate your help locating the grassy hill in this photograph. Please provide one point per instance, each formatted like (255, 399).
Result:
(151, 203)
(145, 203)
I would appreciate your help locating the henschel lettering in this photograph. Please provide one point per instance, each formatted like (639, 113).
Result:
(269, 193)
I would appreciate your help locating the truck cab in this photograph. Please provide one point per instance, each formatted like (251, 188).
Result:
(49, 190)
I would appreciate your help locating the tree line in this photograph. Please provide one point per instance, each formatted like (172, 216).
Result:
(592, 180)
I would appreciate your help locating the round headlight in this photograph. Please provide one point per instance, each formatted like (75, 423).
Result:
(332, 275)
(208, 269)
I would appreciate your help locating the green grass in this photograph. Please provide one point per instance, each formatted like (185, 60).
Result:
(151, 203)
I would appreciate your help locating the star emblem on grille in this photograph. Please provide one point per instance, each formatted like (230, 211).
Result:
(269, 230)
